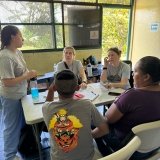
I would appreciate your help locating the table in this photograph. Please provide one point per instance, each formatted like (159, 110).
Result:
(33, 112)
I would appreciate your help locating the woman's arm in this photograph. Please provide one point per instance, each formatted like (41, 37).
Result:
(84, 78)
(103, 77)
(121, 84)
(82, 74)
(113, 114)
(12, 81)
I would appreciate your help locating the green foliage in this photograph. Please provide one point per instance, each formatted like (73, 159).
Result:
(115, 30)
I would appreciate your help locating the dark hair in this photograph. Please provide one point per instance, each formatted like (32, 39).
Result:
(150, 65)
(65, 75)
(6, 34)
(66, 82)
(116, 50)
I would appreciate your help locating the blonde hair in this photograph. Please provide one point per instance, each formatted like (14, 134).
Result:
(69, 47)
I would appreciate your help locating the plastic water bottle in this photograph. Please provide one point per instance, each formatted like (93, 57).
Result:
(89, 70)
(34, 89)
(99, 68)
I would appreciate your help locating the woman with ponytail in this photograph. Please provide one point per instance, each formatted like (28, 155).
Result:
(13, 86)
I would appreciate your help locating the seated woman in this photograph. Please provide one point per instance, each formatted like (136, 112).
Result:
(115, 72)
(75, 66)
(136, 106)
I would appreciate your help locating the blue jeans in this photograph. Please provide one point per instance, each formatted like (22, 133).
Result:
(13, 119)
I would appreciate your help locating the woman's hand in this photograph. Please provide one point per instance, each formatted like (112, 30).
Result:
(83, 85)
(106, 61)
(108, 85)
(30, 74)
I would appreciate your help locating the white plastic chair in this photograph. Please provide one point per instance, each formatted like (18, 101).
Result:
(149, 133)
(126, 152)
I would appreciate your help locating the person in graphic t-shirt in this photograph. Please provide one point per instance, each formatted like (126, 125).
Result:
(69, 120)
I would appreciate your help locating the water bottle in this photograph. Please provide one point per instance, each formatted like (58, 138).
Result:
(89, 70)
(99, 68)
(34, 89)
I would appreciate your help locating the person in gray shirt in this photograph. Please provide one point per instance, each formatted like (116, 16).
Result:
(13, 86)
(69, 120)
(75, 66)
(115, 73)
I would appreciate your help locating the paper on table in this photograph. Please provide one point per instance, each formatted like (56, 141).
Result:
(41, 99)
(88, 94)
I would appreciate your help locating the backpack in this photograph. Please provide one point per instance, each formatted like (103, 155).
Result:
(91, 59)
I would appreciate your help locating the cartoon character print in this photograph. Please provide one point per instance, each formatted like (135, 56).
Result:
(65, 130)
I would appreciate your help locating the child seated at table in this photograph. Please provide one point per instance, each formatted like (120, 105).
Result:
(69, 120)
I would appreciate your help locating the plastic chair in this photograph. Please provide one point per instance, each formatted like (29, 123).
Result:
(126, 152)
(131, 72)
(128, 62)
(149, 133)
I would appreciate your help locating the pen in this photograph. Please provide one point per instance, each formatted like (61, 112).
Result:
(93, 93)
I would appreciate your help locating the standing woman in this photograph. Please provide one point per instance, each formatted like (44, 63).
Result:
(75, 66)
(13, 86)
(115, 72)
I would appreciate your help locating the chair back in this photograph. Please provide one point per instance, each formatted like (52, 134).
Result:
(126, 152)
(131, 72)
(149, 133)
(128, 62)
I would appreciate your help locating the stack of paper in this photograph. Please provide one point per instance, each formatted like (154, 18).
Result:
(87, 94)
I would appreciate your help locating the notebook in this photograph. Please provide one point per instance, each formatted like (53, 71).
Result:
(85, 94)
(41, 98)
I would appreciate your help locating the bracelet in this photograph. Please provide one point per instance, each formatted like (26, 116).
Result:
(104, 68)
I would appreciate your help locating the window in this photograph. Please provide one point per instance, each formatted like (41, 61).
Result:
(115, 30)
(46, 26)
(34, 21)
(52, 25)
(80, 29)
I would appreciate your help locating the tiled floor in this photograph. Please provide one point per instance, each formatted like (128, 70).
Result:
(45, 143)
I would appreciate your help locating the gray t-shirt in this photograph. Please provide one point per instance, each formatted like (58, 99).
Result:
(74, 67)
(12, 65)
(69, 123)
(115, 74)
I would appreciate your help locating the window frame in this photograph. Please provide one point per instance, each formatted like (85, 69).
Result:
(53, 23)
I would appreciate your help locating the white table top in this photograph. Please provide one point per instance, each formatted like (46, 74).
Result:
(33, 112)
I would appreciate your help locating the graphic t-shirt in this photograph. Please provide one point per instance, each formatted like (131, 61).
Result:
(69, 124)
(64, 129)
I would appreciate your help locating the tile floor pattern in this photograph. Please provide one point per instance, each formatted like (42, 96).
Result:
(45, 143)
